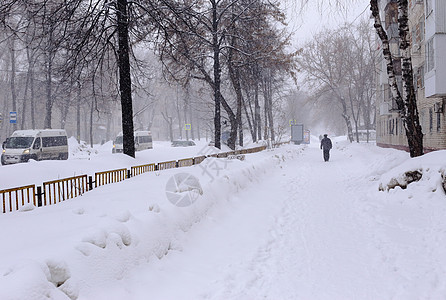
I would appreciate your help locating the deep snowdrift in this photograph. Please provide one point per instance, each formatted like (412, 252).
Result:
(127, 240)
(100, 236)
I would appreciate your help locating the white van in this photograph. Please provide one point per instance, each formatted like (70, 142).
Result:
(37, 144)
(143, 141)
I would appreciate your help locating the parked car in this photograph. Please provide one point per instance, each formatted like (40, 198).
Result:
(39, 144)
(181, 143)
(143, 141)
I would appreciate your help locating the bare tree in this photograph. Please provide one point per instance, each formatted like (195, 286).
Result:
(325, 65)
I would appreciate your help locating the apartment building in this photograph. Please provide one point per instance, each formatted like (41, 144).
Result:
(427, 24)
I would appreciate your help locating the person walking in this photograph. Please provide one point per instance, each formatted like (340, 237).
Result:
(326, 146)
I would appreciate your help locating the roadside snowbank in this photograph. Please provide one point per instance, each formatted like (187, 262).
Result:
(62, 251)
(426, 172)
(86, 160)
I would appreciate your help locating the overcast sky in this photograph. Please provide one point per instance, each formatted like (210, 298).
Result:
(314, 19)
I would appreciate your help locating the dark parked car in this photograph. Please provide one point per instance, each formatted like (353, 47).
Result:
(182, 143)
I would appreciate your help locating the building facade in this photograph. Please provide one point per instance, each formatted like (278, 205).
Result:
(427, 25)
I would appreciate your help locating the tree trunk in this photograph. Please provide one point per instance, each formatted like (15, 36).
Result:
(64, 111)
(12, 81)
(250, 116)
(413, 127)
(185, 113)
(91, 124)
(217, 75)
(125, 83)
(108, 130)
(192, 121)
(186, 122)
(85, 121)
(248, 119)
(170, 128)
(269, 99)
(49, 92)
(258, 119)
(78, 113)
(406, 103)
(265, 111)
(234, 75)
(33, 110)
(25, 93)
(239, 122)
(347, 120)
(169, 124)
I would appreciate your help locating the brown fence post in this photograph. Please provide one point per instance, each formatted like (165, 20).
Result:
(39, 196)
(90, 183)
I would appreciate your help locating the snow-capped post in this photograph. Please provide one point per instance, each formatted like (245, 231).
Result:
(90, 183)
(39, 196)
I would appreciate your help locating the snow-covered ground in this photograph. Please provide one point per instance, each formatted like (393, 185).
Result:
(85, 160)
(280, 224)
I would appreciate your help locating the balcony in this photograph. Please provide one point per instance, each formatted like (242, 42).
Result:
(435, 46)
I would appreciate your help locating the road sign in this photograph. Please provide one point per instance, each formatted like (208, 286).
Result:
(297, 133)
(13, 117)
(187, 126)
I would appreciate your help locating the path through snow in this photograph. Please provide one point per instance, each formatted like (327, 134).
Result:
(299, 234)
(319, 246)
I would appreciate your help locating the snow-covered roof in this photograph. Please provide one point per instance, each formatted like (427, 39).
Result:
(35, 132)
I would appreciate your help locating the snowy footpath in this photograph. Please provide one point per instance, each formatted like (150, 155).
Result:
(281, 224)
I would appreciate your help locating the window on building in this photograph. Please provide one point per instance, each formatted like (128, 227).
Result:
(431, 120)
(423, 120)
(421, 29)
(421, 76)
(430, 61)
(413, 35)
(416, 78)
(396, 126)
(438, 121)
(392, 126)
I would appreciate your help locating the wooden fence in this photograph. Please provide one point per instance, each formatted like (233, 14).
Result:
(167, 165)
(187, 162)
(17, 197)
(112, 176)
(199, 159)
(137, 170)
(62, 189)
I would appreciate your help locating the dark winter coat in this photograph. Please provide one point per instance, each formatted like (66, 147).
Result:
(326, 143)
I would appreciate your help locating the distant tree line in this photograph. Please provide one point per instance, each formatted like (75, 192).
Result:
(83, 53)
(340, 69)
